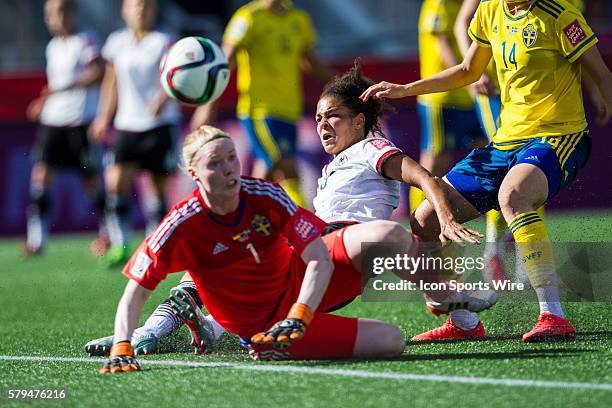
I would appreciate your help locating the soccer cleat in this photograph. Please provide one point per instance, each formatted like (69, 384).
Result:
(449, 331)
(116, 256)
(550, 328)
(28, 252)
(474, 301)
(202, 335)
(99, 246)
(146, 343)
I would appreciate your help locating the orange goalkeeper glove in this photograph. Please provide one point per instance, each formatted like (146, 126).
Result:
(121, 359)
(289, 330)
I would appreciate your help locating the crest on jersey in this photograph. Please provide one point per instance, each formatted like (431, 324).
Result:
(262, 225)
(530, 34)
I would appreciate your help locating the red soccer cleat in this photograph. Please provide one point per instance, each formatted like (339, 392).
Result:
(550, 328)
(449, 331)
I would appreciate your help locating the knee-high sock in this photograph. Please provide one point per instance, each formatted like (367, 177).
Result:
(292, 187)
(37, 214)
(415, 198)
(521, 275)
(155, 212)
(117, 219)
(496, 227)
(536, 254)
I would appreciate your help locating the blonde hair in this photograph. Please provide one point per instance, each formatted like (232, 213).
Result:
(195, 140)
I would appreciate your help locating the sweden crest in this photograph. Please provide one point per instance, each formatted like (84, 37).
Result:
(530, 34)
(262, 225)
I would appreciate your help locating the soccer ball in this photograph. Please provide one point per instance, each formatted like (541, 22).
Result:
(194, 71)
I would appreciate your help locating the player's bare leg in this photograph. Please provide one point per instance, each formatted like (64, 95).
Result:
(378, 339)
(523, 190)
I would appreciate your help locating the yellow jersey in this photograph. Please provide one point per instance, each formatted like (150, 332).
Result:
(437, 18)
(269, 50)
(534, 54)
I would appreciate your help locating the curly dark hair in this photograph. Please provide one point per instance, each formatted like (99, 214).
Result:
(347, 88)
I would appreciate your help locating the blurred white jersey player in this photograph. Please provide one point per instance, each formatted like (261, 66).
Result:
(65, 108)
(144, 116)
(352, 187)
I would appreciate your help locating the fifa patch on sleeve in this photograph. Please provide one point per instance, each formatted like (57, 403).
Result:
(574, 33)
(140, 265)
(380, 143)
(304, 228)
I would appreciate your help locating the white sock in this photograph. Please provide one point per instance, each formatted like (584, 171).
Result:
(162, 321)
(217, 329)
(464, 319)
(548, 296)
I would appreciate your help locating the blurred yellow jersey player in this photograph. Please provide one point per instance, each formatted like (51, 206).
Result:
(448, 119)
(537, 100)
(269, 42)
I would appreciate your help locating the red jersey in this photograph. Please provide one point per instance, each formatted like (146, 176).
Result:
(240, 262)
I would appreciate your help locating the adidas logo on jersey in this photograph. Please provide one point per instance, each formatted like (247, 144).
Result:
(219, 248)
(532, 158)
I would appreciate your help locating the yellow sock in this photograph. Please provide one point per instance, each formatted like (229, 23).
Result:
(416, 198)
(292, 187)
(496, 226)
(536, 255)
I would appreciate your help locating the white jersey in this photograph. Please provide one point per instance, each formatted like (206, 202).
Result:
(136, 66)
(352, 187)
(67, 59)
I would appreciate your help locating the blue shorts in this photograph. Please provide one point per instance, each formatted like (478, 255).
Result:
(448, 129)
(479, 176)
(270, 139)
(488, 109)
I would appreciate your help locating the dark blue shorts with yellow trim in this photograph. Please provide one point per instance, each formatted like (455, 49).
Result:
(479, 176)
(270, 138)
(448, 129)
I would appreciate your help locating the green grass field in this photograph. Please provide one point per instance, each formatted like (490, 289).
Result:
(52, 305)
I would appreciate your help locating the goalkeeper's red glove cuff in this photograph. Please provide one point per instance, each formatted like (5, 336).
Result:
(302, 312)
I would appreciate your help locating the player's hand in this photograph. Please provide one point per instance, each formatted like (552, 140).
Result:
(292, 329)
(484, 86)
(121, 359)
(384, 90)
(35, 108)
(453, 231)
(98, 130)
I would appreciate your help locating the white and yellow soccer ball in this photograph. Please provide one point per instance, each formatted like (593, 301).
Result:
(194, 71)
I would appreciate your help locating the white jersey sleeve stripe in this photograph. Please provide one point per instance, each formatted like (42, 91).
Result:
(177, 217)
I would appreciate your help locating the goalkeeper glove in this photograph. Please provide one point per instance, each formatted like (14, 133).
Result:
(121, 359)
(291, 329)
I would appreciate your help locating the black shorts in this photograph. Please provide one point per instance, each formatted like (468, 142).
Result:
(65, 147)
(153, 150)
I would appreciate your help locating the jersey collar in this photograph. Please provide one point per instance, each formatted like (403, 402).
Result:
(520, 16)
(232, 219)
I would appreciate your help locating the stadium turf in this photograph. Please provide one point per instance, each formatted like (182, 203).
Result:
(52, 305)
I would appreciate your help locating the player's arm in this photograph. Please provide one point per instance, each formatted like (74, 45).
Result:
(207, 113)
(484, 85)
(107, 104)
(598, 81)
(402, 168)
(458, 76)
(126, 319)
(319, 269)
(312, 64)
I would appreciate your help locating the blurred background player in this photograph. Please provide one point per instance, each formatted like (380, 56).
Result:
(487, 101)
(448, 119)
(65, 108)
(542, 143)
(271, 43)
(143, 115)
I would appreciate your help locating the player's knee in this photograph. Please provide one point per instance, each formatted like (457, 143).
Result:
(393, 341)
(392, 232)
(510, 200)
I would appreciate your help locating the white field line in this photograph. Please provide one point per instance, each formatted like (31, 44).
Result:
(505, 382)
